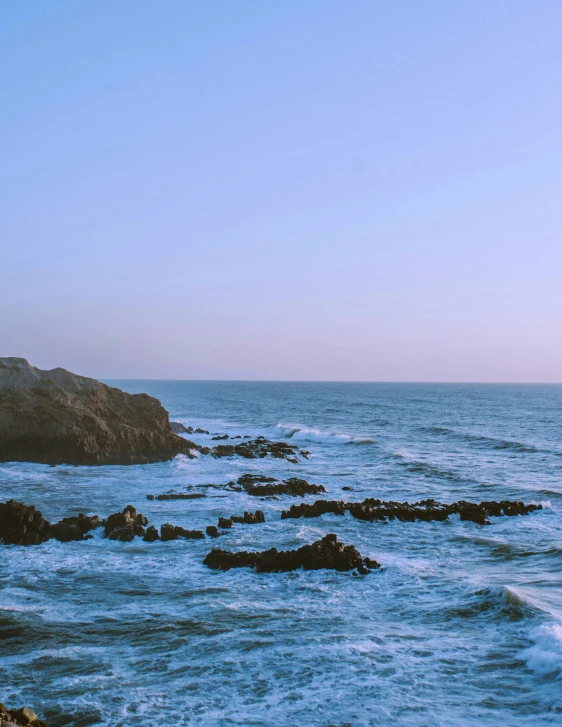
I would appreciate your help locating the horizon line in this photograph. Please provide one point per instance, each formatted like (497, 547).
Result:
(338, 381)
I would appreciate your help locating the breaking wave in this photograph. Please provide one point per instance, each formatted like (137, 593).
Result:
(296, 431)
(545, 656)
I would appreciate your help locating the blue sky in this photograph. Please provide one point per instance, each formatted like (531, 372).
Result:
(283, 190)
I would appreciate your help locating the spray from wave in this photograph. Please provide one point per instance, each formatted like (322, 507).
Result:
(296, 431)
(545, 656)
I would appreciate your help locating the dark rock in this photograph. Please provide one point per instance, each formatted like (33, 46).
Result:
(125, 525)
(249, 518)
(22, 524)
(75, 528)
(201, 431)
(173, 532)
(57, 417)
(225, 522)
(212, 531)
(249, 479)
(178, 496)
(221, 436)
(425, 510)
(293, 486)
(346, 488)
(151, 534)
(19, 717)
(325, 553)
(257, 448)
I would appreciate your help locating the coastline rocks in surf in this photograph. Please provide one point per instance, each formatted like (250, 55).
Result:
(76, 527)
(249, 518)
(20, 717)
(177, 496)
(151, 534)
(57, 417)
(174, 532)
(257, 448)
(425, 510)
(22, 524)
(220, 436)
(213, 532)
(126, 525)
(325, 553)
(262, 486)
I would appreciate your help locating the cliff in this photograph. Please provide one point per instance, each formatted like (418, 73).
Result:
(57, 417)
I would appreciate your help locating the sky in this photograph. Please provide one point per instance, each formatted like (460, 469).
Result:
(286, 190)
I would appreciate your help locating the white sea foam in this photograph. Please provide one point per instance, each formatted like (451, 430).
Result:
(299, 432)
(545, 657)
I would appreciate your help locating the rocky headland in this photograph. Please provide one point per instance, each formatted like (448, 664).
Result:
(57, 417)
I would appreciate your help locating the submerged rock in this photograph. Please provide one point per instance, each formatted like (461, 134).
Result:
(324, 553)
(177, 496)
(57, 417)
(22, 524)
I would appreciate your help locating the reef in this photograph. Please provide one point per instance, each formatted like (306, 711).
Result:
(425, 510)
(325, 553)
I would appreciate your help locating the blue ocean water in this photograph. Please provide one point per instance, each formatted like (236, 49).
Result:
(462, 627)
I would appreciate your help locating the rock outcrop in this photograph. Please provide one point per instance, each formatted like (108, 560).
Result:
(325, 553)
(22, 524)
(23, 717)
(57, 417)
(425, 510)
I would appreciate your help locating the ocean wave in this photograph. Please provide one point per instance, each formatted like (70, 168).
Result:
(420, 466)
(545, 656)
(503, 602)
(296, 431)
(496, 443)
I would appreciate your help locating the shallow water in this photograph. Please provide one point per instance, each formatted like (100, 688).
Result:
(463, 626)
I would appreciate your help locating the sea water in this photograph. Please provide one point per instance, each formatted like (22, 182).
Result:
(461, 627)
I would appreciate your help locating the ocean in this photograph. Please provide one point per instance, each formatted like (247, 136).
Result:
(462, 626)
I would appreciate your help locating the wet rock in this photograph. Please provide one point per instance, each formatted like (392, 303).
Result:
(57, 417)
(173, 532)
(179, 428)
(19, 717)
(77, 527)
(425, 510)
(259, 447)
(320, 507)
(201, 431)
(126, 525)
(225, 522)
(249, 518)
(249, 479)
(151, 534)
(212, 531)
(177, 496)
(22, 524)
(324, 553)
(293, 486)
(220, 436)
(346, 488)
